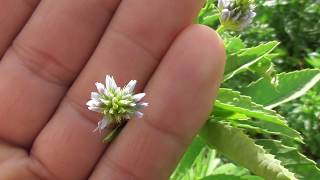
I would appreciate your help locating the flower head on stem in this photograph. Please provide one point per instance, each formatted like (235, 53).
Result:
(236, 14)
(117, 105)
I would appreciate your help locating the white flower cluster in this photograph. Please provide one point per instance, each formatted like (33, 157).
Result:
(116, 104)
(236, 14)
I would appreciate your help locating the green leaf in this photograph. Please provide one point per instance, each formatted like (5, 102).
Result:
(290, 86)
(209, 14)
(231, 169)
(314, 59)
(231, 177)
(189, 157)
(233, 44)
(266, 127)
(233, 101)
(211, 20)
(265, 68)
(237, 146)
(206, 161)
(260, 126)
(291, 158)
(243, 59)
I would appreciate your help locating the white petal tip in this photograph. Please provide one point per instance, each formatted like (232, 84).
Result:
(138, 114)
(138, 97)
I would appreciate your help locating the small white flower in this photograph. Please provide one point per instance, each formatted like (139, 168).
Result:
(236, 14)
(116, 104)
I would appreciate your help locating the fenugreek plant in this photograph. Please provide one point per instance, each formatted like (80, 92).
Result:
(243, 132)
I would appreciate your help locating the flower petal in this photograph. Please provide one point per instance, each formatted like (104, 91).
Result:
(100, 87)
(118, 90)
(127, 117)
(236, 17)
(93, 103)
(95, 109)
(138, 114)
(221, 4)
(101, 125)
(252, 14)
(97, 128)
(141, 105)
(95, 96)
(106, 102)
(138, 97)
(225, 14)
(110, 83)
(130, 86)
(104, 123)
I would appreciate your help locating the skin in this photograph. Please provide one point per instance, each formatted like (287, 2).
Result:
(52, 54)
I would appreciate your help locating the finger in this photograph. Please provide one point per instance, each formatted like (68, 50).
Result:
(180, 94)
(44, 60)
(13, 15)
(130, 49)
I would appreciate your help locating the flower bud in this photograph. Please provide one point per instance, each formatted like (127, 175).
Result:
(236, 14)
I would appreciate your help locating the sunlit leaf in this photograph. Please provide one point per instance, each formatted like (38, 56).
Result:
(290, 86)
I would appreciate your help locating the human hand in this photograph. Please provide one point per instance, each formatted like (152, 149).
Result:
(48, 72)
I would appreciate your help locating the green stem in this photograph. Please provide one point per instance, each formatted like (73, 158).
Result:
(241, 149)
(114, 133)
(220, 29)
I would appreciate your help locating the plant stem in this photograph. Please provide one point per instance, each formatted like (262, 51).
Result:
(220, 29)
(114, 133)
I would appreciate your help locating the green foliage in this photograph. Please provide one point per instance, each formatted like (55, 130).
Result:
(267, 128)
(242, 59)
(292, 159)
(314, 59)
(231, 177)
(232, 172)
(244, 138)
(290, 86)
(304, 115)
(197, 162)
(189, 157)
(233, 107)
(209, 15)
(294, 23)
(236, 145)
(233, 101)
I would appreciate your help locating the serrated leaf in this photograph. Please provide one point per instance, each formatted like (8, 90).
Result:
(266, 127)
(233, 101)
(291, 158)
(231, 177)
(290, 86)
(240, 61)
(240, 148)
